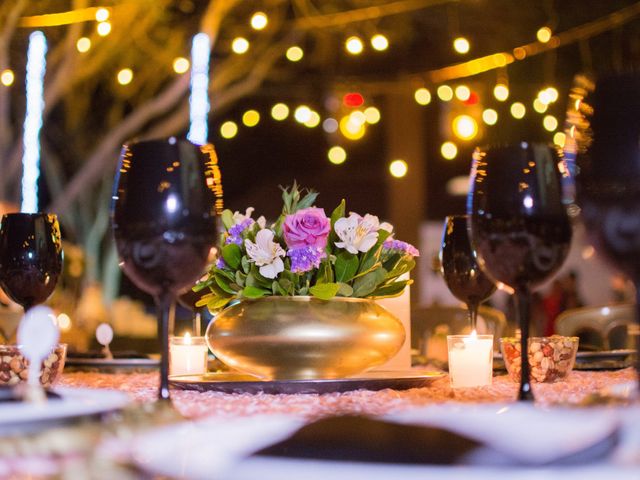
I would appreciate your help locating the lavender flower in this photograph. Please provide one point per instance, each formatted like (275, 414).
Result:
(398, 246)
(304, 259)
(234, 234)
(220, 263)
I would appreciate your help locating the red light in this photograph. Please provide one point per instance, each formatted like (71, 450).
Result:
(353, 100)
(473, 99)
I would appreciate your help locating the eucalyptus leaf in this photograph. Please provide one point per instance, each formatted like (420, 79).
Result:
(324, 291)
(307, 201)
(232, 255)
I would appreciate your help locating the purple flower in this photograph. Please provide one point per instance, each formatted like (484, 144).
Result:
(220, 263)
(234, 234)
(304, 259)
(401, 247)
(308, 227)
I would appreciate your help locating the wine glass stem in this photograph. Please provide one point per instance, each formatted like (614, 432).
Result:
(473, 315)
(523, 302)
(164, 313)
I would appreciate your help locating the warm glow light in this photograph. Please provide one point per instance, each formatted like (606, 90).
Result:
(330, 125)
(553, 94)
(490, 116)
(337, 155)
(463, 93)
(354, 45)
(379, 42)
(259, 20)
(314, 120)
(251, 118)
(102, 14)
(518, 110)
(228, 129)
(559, 138)
(543, 34)
(461, 45)
(398, 168)
(83, 44)
(104, 29)
(181, 65)
(422, 96)
(357, 117)
(7, 77)
(351, 128)
(372, 115)
(240, 45)
(279, 111)
(294, 54)
(550, 123)
(125, 76)
(302, 114)
(501, 92)
(64, 322)
(464, 127)
(548, 95)
(449, 150)
(445, 93)
(539, 106)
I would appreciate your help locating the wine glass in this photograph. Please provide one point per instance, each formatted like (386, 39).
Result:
(608, 185)
(166, 196)
(30, 257)
(460, 269)
(519, 226)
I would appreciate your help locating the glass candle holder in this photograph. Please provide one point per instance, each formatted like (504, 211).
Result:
(470, 360)
(188, 355)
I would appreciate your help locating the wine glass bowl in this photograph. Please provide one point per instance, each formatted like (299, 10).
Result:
(460, 269)
(520, 228)
(166, 196)
(30, 257)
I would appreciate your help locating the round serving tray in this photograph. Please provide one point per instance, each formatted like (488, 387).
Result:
(231, 382)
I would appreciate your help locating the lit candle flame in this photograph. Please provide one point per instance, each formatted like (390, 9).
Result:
(187, 338)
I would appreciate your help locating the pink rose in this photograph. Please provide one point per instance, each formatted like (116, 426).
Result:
(308, 227)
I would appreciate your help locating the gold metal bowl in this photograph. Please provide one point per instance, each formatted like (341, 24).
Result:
(288, 338)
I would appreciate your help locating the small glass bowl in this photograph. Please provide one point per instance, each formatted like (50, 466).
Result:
(14, 367)
(550, 358)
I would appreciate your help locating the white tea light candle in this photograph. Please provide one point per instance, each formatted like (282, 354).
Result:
(470, 360)
(188, 355)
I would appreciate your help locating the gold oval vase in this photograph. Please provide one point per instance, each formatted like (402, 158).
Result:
(289, 338)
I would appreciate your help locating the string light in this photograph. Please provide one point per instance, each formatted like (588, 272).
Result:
(83, 44)
(125, 76)
(240, 45)
(337, 155)
(251, 118)
(379, 42)
(330, 125)
(463, 93)
(550, 123)
(445, 93)
(104, 29)
(294, 54)
(518, 110)
(501, 92)
(398, 168)
(352, 128)
(539, 106)
(559, 138)
(422, 96)
(372, 115)
(279, 111)
(36, 66)
(229, 129)
(7, 77)
(461, 45)
(302, 114)
(259, 20)
(199, 97)
(553, 94)
(449, 150)
(490, 116)
(543, 34)
(314, 120)
(354, 45)
(102, 15)
(464, 127)
(180, 65)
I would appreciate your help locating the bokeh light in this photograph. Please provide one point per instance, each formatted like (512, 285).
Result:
(539, 106)
(314, 120)
(501, 92)
(464, 127)
(83, 44)
(330, 125)
(543, 34)
(372, 115)
(240, 45)
(302, 114)
(461, 45)
(294, 54)
(181, 65)
(354, 45)
(7, 77)
(445, 93)
(279, 111)
(422, 96)
(379, 42)
(351, 128)
(518, 110)
(125, 76)
(449, 150)
(463, 93)
(559, 138)
(229, 129)
(103, 29)
(102, 15)
(251, 118)
(398, 168)
(550, 123)
(337, 155)
(490, 116)
(259, 20)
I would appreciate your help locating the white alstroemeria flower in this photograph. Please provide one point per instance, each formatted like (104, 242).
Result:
(357, 234)
(239, 218)
(262, 222)
(266, 253)
(386, 226)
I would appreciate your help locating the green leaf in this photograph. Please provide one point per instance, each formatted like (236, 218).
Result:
(253, 292)
(257, 279)
(222, 283)
(217, 304)
(227, 218)
(346, 266)
(338, 212)
(246, 265)
(232, 254)
(401, 268)
(307, 201)
(345, 290)
(324, 291)
(392, 290)
(325, 273)
(365, 285)
(286, 285)
(225, 273)
(240, 278)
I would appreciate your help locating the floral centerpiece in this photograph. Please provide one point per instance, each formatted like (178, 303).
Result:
(306, 253)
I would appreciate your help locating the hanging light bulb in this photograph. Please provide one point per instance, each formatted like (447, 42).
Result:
(461, 45)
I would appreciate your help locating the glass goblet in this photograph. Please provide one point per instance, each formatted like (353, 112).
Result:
(520, 228)
(166, 197)
(30, 257)
(460, 269)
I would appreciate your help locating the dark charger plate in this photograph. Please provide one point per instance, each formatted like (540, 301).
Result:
(231, 382)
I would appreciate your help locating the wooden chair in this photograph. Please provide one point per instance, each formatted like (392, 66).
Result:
(599, 328)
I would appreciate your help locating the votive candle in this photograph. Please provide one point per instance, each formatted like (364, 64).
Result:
(470, 360)
(188, 355)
